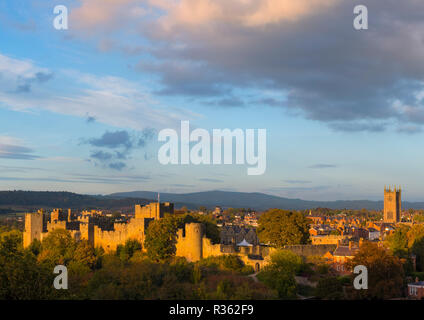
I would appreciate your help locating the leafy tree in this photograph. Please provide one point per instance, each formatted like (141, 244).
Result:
(20, 276)
(35, 247)
(406, 240)
(57, 248)
(128, 250)
(280, 274)
(329, 288)
(416, 244)
(85, 254)
(418, 249)
(161, 239)
(398, 241)
(280, 227)
(224, 262)
(385, 272)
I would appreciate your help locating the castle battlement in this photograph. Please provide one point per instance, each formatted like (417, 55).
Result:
(192, 242)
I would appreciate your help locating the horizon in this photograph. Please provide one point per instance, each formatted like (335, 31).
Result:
(215, 190)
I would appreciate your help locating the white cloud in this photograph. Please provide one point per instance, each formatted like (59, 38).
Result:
(111, 100)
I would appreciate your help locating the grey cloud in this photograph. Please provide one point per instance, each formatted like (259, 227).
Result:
(146, 135)
(297, 189)
(24, 84)
(8, 151)
(43, 76)
(90, 119)
(184, 78)
(23, 88)
(82, 178)
(357, 126)
(322, 166)
(227, 102)
(119, 145)
(101, 155)
(182, 185)
(297, 181)
(110, 179)
(210, 180)
(20, 169)
(329, 71)
(117, 165)
(112, 140)
(409, 129)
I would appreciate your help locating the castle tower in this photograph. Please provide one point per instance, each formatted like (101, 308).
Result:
(154, 210)
(190, 244)
(194, 235)
(392, 205)
(33, 227)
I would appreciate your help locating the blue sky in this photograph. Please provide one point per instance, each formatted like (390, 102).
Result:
(80, 108)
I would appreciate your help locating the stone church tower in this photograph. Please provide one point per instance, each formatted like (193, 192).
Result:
(392, 205)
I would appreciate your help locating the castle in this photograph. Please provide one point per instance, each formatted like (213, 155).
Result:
(392, 205)
(100, 232)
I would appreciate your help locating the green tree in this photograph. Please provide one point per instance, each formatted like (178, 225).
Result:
(279, 275)
(128, 250)
(57, 248)
(85, 254)
(280, 227)
(161, 239)
(20, 276)
(329, 288)
(416, 244)
(398, 241)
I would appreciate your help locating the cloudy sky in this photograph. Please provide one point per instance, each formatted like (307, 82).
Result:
(80, 109)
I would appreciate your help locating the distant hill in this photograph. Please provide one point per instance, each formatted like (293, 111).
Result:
(32, 200)
(256, 200)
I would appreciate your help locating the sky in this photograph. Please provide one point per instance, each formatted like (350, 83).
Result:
(81, 109)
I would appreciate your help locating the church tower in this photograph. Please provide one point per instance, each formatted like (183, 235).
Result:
(392, 205)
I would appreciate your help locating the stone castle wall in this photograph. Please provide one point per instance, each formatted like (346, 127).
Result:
(191, 240)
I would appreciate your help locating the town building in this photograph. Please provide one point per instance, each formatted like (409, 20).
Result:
(416, 290)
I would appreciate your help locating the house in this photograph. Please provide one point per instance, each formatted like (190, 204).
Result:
(416, 290)
(340, 257)
(373, 234)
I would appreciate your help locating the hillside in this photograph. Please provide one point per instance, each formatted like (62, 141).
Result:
(32, 200)
(257, 201)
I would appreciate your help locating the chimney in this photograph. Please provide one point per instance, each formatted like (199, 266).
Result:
(350, 245)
